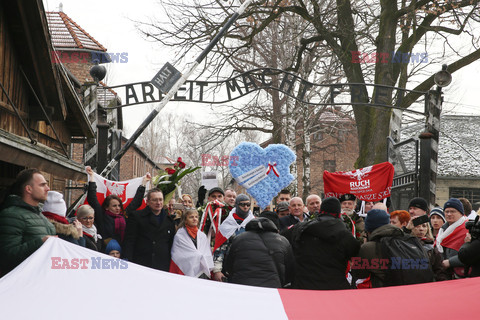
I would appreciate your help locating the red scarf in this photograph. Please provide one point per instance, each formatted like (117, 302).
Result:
(237, 217)
(192, 231)
(88, 235)
(120, 223)
(55, 217)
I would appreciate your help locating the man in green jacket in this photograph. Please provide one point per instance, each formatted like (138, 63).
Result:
(23, 229)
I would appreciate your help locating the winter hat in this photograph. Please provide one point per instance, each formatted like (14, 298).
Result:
(419, 203)
(55, 204)
(216, 189)
(331, 206)
(239, 210)
(113, 245)
(454, 203)
(282, 206)
(439, 212)
(347, 197)
(376, 218)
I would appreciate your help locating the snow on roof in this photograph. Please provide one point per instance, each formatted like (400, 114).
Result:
(459, 146)
(67, 34)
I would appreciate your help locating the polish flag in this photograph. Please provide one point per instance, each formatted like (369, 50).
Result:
(188, 260)
(229, 227)
(125, 190)
(34, 276)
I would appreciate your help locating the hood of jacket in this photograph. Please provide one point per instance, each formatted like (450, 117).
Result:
(261, 224)
(325, 227)
(387, 230)
(65, 229)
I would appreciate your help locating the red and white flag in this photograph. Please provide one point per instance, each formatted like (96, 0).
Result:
(58, 262)
(229, 227)
(372, 183)
(125, 190)
(188, 260)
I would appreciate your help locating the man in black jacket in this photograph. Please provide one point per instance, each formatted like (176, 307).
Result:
(296, 214)
(149, 234)
(260, 256)
(322, 248)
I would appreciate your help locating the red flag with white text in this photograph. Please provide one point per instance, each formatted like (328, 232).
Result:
(372, 183)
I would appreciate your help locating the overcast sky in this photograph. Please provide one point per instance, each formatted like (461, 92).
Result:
(109, 22)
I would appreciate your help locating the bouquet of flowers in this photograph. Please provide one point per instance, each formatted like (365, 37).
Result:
(169, 179)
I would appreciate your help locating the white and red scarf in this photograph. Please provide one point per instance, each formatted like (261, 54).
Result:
(229, 227)
(453, 237)
(188, 260)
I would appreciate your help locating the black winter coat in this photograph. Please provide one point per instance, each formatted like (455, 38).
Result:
(287, 221)
(322, 249)
(256, 262)
(146, 241)
(92, 245)
(469, 254)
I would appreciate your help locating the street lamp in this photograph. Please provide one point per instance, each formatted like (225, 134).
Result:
(442, 78)
(98, 72)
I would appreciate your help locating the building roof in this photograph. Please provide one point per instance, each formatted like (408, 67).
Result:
(459, 146)
(334, 116)
(67, 34)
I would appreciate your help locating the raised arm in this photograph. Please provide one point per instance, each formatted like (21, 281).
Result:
(93, 202)
(138, 198)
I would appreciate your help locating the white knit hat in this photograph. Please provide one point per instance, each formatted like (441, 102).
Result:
(55, 204)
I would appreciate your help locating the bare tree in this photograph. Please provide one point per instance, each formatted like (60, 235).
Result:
(171, 135)
(344, 27)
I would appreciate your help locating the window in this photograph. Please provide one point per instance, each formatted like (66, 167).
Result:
(317, 135)
(472, 194)
(329, 165)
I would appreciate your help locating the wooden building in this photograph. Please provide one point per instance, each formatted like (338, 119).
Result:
(40, 110)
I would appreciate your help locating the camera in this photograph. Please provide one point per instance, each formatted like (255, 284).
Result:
(473, 228)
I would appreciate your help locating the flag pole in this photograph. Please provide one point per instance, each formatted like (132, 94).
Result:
(173, 90)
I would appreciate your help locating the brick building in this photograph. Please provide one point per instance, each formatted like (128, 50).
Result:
(135, 163)
(334, 147)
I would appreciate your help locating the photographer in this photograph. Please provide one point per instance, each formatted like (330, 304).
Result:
(469, 253)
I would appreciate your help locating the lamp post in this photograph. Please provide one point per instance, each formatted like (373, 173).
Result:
(430, 137)
(100, 159)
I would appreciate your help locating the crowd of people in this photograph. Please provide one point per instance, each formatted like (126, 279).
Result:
(334, 243)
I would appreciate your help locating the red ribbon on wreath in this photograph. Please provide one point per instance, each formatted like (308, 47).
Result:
(272, 167)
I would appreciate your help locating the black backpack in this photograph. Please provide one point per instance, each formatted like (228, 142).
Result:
(408, 260)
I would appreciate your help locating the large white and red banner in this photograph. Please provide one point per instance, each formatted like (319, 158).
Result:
(372, 183)
(116, 289)
(124, 189)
